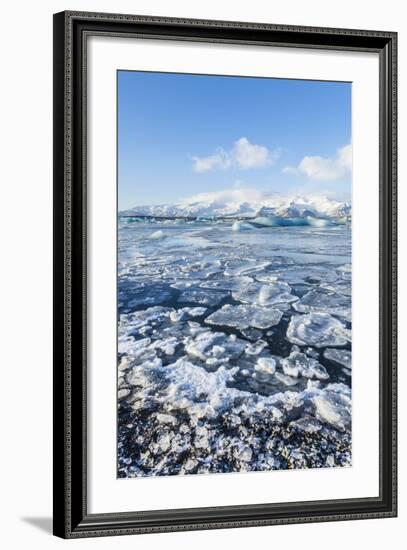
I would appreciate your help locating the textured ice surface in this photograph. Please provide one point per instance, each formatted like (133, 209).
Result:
(195, 421)
(317, 329)
(266, 365)
(265, 294)
(341, 356)
(235, 283)
(237, 267)
(216, 346)
(245, 316)
(232, 346)
(157, 235)
(202, 296)
(148, 295)
(345, 271)
(325, 301)
(241, 226)
(186, 313)
(299, 364)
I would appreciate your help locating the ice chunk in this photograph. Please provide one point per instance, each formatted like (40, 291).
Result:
(299, 364)
(245, 316)
(235, 283)
(285, 379)
(214, 345)
(149, 296)
(153, 316)
(251, 334)
(166, 418)
(157, 235)
(130, 346)
(341, 356)
(267, 278)
(265, 295)
(202, 296)
(317, 329)
(256, 347)
(345, 271)
(239, 267)
(318, 222)
(266, 365)
(333, 407)
(241, 226)
(322, 300)
(307, 424)
(341, 286)
(186, 313)
(182, 285)
(243, 453)
(276, 221)
(186, 384)
(166, 345)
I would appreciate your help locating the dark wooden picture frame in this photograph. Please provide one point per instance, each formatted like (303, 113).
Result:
(71, 518)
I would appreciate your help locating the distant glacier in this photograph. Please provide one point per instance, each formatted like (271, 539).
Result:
(238, 203)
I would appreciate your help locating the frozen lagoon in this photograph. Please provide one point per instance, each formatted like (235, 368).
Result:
(234, 347)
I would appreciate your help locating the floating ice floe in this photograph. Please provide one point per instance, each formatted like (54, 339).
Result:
(235, 283)
(241, 226)
(345, 271)
(341, 286)
(186, 313)
(299, 364)
(149, 296)
(317, 329)
(245, 316)
(286, 379)
(266, 365)
(252, 334)
(214, 345)
(325, 301)
(237, 267)
(264, 294)
(341, 356)
(157, 235)
(255, 348)
(202, 296)
(152, 316)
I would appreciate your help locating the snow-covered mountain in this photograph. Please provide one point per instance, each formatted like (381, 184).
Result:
(249, 203)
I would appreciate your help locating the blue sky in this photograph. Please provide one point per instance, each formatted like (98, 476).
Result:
(181, 135)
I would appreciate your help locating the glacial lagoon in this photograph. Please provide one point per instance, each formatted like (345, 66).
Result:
(234, 346)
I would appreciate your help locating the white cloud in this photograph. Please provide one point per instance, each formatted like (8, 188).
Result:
(243, 155)
(220, 160)
(324, 169)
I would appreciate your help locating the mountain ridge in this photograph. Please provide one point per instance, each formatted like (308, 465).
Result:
(236, 203)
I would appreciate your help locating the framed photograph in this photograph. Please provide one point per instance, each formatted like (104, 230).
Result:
(225, 274)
